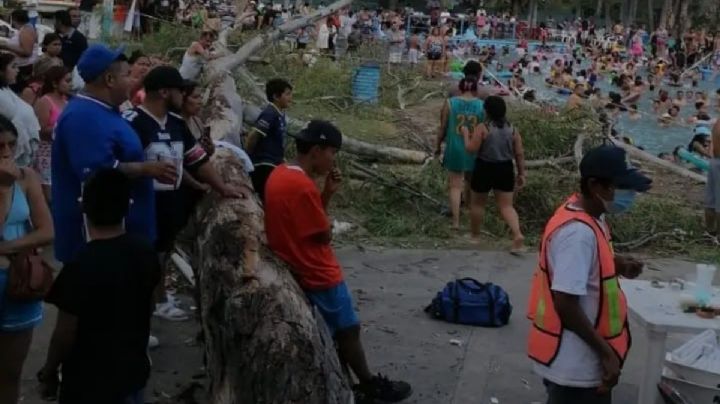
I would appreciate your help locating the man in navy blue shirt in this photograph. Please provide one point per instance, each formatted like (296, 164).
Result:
(266, 142)
(165, 136)
(90, 134)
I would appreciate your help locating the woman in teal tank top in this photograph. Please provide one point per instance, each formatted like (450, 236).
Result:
(463, 111)
(26, 224)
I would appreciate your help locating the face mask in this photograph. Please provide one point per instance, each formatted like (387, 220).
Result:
(623, 201)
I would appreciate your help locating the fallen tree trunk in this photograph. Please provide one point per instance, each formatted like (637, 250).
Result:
(350, 145)
(263, 343)
(549, 162)
(229, 63)
(647, 157)
(354, 146)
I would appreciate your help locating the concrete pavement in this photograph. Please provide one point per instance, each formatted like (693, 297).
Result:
(391, 288)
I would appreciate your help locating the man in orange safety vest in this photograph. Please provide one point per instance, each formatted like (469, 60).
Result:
(580, 336)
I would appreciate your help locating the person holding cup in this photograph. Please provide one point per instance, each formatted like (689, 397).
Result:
(166, 138)
(90, 134)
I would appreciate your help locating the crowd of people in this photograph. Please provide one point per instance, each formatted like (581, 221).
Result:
(113, 162)
(107, 155)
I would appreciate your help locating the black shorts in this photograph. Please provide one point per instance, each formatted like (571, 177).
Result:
(434, 55)
(301, 45)
(489, 176)
(259, 177)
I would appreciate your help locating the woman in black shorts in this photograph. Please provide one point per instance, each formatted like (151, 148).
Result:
(497, 144)
(435, 50)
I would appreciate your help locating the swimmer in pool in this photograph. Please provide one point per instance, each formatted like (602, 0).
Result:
(679, 99)
(670, 117)
(665, 101)
(633, 113)
(700, 143)
(576, 99)
(656, 107)
(701, 110)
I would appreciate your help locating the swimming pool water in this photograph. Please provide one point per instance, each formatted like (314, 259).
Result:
(646, 131)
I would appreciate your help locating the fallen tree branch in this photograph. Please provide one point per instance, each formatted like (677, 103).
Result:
(353, 146)
(578, 148)
(649, 158)
(394, 183)
(549, 162)
(402, 91)
(631, 245)
(231, 62)
(252, 82)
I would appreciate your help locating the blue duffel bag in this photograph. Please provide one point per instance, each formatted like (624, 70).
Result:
(467, 301)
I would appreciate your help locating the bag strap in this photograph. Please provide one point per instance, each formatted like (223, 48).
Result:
(6, 215)
(479, 284)
(455, 297)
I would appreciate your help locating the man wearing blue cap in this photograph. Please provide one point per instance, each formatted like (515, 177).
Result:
(580, 335)
(90, 134)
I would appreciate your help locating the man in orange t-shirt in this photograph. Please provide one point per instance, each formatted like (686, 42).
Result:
(298, 231)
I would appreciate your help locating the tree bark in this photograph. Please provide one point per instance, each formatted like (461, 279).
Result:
(608, 16)
(683, 22)
(651, 16)
(665, 14)
(263, 342)
(633, 11)
(672, 16)
(515, 7)
(578, 9)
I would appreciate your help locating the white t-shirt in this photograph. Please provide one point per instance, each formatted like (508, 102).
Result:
(574, 267)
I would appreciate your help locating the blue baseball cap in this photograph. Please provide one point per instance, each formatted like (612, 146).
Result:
(703, 130)
(611, 163)
(97, 59)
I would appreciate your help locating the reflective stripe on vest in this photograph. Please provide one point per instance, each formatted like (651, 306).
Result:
(611, 322)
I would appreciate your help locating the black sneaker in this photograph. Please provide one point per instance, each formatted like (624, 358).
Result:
(383, 390)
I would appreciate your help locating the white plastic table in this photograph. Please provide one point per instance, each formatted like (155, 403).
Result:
(658, 312)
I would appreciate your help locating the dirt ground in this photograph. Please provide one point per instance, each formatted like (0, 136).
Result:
(391, 288)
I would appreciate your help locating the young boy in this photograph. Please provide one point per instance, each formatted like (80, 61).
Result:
(299, 232)
(266, 142)
(414, 48)
(102, 348)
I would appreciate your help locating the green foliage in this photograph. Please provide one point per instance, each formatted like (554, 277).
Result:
(387, 213)
(546, 135)
(169, 42)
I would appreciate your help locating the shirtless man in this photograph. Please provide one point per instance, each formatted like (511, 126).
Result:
(576, 98)
(679, 99)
